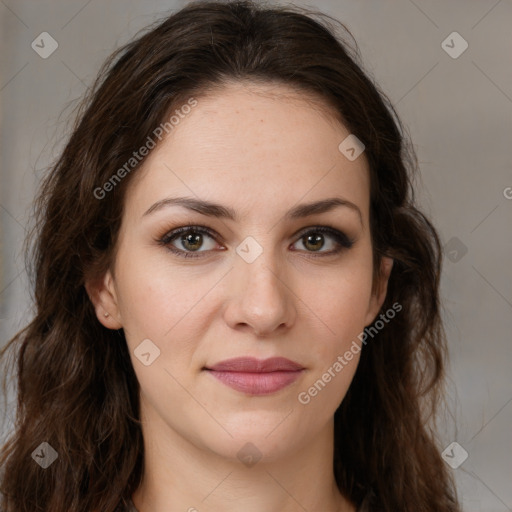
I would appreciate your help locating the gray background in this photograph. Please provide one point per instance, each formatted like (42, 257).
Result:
(458, 112)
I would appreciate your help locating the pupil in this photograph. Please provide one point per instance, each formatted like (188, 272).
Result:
(192, 240)
(315, 239)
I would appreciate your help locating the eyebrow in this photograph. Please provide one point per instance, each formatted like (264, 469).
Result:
(212, 209)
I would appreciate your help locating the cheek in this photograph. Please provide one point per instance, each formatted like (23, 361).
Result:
(341, 299)
(152, 293)
(341, 306)
(344, 321)
(164, 302)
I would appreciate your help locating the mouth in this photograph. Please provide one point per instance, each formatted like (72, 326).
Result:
(254, 376)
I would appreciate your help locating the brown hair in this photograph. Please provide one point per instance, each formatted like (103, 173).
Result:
(76, 386)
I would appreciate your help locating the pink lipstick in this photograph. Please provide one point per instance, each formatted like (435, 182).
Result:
(256, 376)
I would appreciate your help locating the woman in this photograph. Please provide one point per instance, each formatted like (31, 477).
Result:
(237, 299)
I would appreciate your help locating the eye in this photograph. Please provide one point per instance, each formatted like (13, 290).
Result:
(190, 238)
(314, 239)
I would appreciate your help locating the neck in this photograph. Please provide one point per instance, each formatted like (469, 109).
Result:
(183, 475)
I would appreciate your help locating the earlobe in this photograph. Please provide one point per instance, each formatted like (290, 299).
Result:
(379, 296)
(103, 296)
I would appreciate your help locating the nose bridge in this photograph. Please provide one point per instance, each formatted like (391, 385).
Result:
(261, 276)
(262, 300)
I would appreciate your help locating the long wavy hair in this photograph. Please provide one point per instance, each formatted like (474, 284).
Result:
(76, 388)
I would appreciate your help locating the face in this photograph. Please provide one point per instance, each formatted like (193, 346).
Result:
(258, 276)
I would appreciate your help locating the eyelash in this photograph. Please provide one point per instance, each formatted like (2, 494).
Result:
(343, 241)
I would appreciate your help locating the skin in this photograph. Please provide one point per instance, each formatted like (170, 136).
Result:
(260, 149)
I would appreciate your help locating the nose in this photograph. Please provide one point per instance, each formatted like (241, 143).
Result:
(261, 296)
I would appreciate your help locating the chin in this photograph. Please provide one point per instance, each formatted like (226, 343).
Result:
(257, 435)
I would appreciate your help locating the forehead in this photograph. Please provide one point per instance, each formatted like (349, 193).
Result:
(250, 144)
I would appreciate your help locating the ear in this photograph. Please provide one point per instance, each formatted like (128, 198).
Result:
(381, 288)
(102, 294)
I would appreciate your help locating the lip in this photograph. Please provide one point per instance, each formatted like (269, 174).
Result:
(256, 376)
